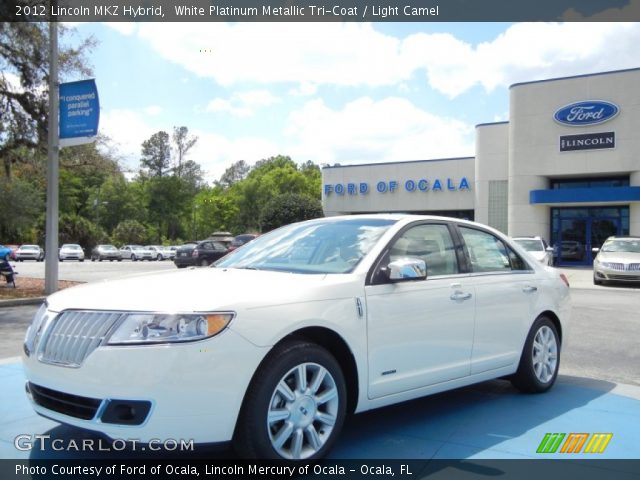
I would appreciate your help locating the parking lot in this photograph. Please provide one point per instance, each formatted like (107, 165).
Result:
(598, 390)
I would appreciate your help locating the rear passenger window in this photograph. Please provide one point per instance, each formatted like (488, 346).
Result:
(489, 254)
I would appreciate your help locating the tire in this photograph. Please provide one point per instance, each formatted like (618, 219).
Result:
(159, 258)
(134, 258)
(597, 282)
(100, 259)
(301, 422)
(203, 263)
(82, 259)
(540, 360)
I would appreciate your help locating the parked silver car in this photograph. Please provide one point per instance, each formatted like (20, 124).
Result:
(618, 260)
(106, 252)
(160, 252)
(136, 252)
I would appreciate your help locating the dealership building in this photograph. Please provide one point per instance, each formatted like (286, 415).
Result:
(565, 167)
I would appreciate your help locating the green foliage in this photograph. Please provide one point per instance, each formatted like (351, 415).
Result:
(182, 144)
(77, 229)
(156, 155)
(24, 62)
(289, 208)
(20, 206)
(129, 231)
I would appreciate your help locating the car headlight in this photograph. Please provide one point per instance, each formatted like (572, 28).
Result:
(168, 327)
(35, 329)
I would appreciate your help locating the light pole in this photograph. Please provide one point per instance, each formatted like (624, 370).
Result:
(53, 169)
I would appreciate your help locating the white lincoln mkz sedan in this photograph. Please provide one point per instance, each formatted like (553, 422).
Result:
(276, 343)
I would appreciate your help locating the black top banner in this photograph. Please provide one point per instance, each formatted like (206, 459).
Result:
(318, 11)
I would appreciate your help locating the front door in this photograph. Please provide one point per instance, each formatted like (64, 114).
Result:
(420, 332)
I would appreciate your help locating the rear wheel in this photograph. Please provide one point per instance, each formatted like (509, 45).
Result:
(295, 406)
(540, 358)
(204, 262)
(134, 258)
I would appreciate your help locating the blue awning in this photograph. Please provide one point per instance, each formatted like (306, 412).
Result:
(585, 195)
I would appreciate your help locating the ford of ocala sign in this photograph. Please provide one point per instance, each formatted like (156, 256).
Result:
(589, 112)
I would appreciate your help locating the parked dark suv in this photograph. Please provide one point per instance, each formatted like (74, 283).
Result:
(203, 253)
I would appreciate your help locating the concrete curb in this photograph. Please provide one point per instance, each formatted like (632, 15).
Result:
(15, 302)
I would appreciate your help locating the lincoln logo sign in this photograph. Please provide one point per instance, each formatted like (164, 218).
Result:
(590, 112)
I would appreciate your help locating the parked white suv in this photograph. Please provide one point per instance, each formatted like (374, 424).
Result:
(276, 343)
(537, 248)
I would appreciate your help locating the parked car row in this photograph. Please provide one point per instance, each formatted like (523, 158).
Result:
(201, 253)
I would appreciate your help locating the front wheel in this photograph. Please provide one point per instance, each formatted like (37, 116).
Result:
(134, 258)
(295, 406)
(540, 358)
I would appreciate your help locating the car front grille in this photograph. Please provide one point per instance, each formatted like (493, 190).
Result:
(73, 335)
(76, 406)
(634, 267)
(614, 266)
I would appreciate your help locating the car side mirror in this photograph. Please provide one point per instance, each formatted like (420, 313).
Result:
(549, 249)
(407, 269)
(595, 249)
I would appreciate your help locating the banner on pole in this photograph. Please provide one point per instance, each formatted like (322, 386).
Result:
(79, 113)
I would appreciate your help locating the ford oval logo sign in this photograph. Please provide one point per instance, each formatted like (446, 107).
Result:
(590, 112)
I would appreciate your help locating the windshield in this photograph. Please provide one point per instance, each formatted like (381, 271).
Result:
(322, 246)
(531, 245)
(108, 247)
(622, 245)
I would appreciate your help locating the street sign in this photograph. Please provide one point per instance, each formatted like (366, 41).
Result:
(79, 112)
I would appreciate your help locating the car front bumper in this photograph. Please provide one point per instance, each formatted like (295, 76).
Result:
(191, 391)
(616, 275)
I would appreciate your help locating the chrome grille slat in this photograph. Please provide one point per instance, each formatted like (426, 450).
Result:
(634, 267)
(73, 335)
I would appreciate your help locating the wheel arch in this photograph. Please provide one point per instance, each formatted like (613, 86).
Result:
(338, 347)
(551, 315)
(334, 344)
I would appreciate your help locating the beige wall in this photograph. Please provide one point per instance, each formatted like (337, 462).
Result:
(492, 155)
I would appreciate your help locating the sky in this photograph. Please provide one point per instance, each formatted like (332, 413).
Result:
(331, 93)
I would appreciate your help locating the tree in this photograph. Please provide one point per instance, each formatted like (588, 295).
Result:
(24, 79)
(21, 205)
(77, 229)
(182, 144)
(289, 208)
(129, 231)
(234, 174)
(156, 155)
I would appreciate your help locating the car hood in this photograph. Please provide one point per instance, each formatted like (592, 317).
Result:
(202, 289)
(619, 257)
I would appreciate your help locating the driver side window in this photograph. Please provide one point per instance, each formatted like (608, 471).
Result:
(431, 243)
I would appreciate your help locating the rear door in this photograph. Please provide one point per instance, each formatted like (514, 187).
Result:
(506, 290)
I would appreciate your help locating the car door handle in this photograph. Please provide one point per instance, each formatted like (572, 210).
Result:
(530, 289)
(460, 296)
